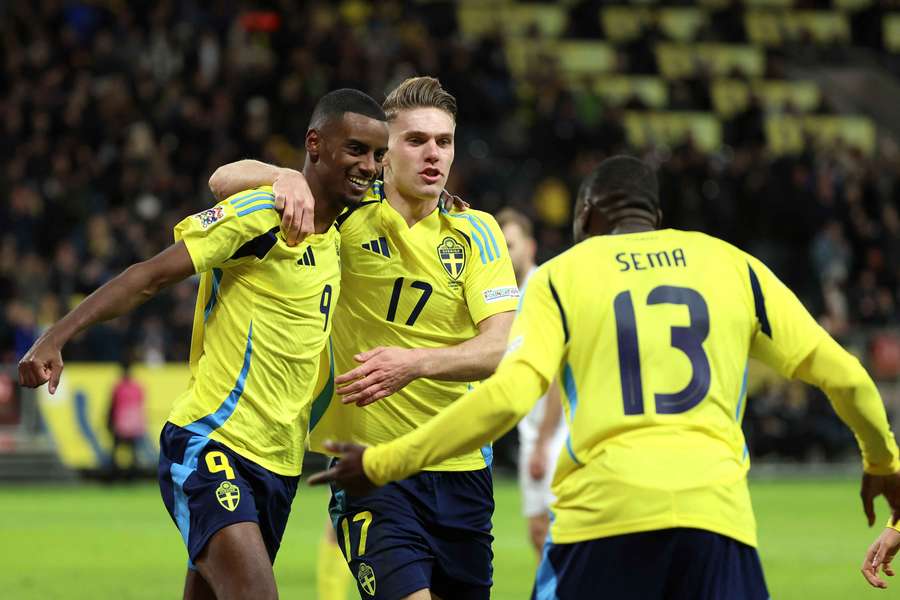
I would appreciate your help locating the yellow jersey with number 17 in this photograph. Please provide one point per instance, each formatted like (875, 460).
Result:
(650, 334)
(262, 319)
(423, 286)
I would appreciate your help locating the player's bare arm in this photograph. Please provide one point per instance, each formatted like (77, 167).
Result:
(553, 412)
(134, 286)
(385, 370)
(293, 198)
(879, 556)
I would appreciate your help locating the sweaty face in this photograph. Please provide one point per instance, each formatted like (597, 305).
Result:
(521, 249)
(421, 152)
(350, 155)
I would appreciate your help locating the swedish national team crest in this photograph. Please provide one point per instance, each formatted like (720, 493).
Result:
(453, 257)
(366, 577)
(228, 495)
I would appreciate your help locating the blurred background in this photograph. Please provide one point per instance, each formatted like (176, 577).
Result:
(773, 124)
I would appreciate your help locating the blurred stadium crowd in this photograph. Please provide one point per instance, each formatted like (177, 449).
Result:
(114, 115)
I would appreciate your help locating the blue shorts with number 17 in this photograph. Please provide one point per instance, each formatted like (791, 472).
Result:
(432, 530)
(206, 486)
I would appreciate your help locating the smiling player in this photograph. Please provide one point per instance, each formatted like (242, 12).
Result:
(232, 450)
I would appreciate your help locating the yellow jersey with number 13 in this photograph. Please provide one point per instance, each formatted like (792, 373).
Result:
(263, 316)
(423, 286)
(650, 334)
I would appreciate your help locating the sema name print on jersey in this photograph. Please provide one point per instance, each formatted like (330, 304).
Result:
(210, 217)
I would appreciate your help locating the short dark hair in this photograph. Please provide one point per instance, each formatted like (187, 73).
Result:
(419, 92)
(511, 216)
(621, 182)
(345, 100)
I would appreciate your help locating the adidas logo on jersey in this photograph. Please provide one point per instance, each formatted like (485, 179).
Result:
(378, 246)
(308, 259)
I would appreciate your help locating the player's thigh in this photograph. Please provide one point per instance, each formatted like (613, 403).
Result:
(382, 537)
(196, 588)
(207, 487)
(460, 535)
(625, 567)
(236, 564)
(707, 566)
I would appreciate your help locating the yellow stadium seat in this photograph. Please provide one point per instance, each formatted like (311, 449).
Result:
(682, 24)
(512, 19)
(677, 61)
(776, 27)
(624, 23)
(671, 128)
(891, 30)
(789, 134)
(616, 90)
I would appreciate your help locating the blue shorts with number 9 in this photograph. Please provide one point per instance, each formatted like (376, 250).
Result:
(206, 486)
(432, 530)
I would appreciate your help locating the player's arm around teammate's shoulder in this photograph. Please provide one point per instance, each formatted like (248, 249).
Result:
(134, 286)
(293, 198)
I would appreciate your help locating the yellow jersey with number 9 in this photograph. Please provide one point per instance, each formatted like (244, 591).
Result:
(262, 319)
(423, 286)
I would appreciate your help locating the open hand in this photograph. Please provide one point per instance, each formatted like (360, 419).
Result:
(382, 372)
(347, 473)
(295, 202)
(880, 555)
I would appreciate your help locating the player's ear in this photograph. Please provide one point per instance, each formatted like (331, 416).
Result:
(313, 145)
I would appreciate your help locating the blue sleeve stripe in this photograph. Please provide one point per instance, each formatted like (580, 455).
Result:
(247, 198)
(490, 233)
(479, 237)
(255, 208)
(490, 255)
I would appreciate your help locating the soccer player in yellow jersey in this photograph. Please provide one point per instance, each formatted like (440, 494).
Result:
(232, 450)
(650, 332)
(428, 298)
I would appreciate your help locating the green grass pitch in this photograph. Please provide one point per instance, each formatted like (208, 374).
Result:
(80, 542)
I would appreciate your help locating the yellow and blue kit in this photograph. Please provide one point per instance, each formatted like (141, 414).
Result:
(262, 319)
(650, 334)
(424, 286)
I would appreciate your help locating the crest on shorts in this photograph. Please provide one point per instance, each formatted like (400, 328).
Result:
(211, 216)
(453, 257)
(228, 495)
(366, 578)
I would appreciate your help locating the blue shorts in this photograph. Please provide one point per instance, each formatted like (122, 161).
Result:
(675, 564)
(432, 531)
(206, 486)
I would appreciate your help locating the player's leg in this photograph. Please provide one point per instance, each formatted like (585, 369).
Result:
(708, 565)
(231, 514)
(196, 588)
(382, 534)
(625, 567)
(236, 564)
(332, 574)
(538, 526)
(460, 535)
